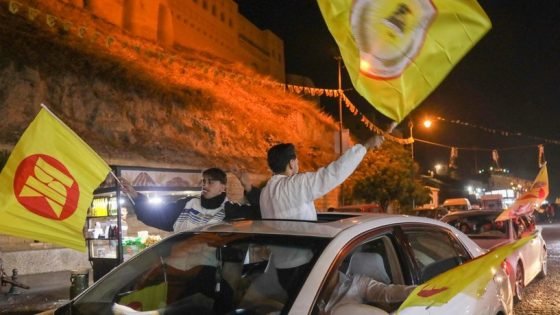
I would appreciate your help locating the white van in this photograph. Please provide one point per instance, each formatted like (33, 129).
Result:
(457, 204)
(492, 202)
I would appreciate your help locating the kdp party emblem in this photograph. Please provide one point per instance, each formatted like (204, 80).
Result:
(44, 186)
(389, 34)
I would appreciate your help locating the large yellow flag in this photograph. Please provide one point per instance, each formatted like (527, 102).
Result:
(470, 278)
(398, 52)
(529, 201)
(48, 182)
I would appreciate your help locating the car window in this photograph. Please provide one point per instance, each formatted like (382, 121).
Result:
(481, 226)
(199, 273)
(374, 258)
(434, 251)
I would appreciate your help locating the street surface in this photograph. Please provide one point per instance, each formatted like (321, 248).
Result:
(542, 296)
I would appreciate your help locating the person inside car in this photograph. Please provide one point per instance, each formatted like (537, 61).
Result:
(361, 289)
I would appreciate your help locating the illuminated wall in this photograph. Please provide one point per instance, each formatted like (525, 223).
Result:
(214, 26)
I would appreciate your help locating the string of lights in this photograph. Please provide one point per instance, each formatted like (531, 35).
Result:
(476, 148)
(373, 127)
(497, 131)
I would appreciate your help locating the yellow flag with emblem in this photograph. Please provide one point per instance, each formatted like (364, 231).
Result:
(398, 52)
(47, 184)
(470, 278)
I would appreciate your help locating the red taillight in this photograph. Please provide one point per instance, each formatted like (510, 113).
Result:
(507, 268)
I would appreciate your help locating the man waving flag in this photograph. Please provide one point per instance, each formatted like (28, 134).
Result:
(47, 184)
(398, 52)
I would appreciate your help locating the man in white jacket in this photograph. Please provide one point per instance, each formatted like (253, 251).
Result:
(289, 194)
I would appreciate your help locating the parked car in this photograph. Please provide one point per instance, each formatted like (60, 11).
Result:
(431, 212)
(369, 207)
(526, 263)
(390, 248)
(457, 204)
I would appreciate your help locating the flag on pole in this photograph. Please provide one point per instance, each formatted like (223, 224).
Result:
(47, 184)
(398, 52)
(529, 201)
(471, 278)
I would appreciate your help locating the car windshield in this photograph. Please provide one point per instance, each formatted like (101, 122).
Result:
(200, 273)
(480, 226)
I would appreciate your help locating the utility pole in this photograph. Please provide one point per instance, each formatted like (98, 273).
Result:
(339, 61)
(410, 126)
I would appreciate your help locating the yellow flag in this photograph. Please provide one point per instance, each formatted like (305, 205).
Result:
(470, 278)
(47, 184)
(398, 52)
(527, 202)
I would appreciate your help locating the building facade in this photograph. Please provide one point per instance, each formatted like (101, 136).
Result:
(212, 26)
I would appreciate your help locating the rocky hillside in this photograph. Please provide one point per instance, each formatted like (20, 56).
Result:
(138, 104)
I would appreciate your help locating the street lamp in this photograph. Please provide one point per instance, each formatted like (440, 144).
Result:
(427, 123)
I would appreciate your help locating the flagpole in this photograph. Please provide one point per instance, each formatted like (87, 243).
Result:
(120, 183)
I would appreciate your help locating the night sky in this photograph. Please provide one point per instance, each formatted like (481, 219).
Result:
(510, 81)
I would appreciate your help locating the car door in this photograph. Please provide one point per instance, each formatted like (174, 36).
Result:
(432, 250)
(435, 250)
(375, 255)
(531, 252)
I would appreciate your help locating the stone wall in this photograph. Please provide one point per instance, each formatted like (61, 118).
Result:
(208, 25)
(44, 260)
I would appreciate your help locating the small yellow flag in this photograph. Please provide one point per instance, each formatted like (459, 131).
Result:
(470, 278)
(530, 200)
(398, 52)
(147, 299)
(48, 182)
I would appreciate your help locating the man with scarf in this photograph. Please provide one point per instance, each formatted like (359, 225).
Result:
(188, 213)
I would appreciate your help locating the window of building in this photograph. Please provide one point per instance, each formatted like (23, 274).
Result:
(214, 11)
(222, 16)
(204, 4)
(230, 23)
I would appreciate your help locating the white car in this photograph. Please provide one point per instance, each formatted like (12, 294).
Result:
(179, 274)
(526, 263)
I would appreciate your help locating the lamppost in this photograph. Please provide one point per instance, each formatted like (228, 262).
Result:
(427, 124)
(339, 62)
(410, 126)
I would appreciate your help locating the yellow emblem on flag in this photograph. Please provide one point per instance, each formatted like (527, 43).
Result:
(398, 52)
(48, 183)
(470, 278)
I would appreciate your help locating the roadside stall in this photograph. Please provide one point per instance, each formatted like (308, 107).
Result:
(113, 233)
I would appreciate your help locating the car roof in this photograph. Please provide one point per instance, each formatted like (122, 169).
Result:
(471, 213)
(427, 209)
(328, 225)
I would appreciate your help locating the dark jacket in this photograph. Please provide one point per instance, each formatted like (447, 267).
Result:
(165, 216)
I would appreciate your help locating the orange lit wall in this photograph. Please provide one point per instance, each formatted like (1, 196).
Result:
(214, 26)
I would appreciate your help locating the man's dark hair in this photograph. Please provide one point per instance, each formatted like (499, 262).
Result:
(215, 174)
(279, 156)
